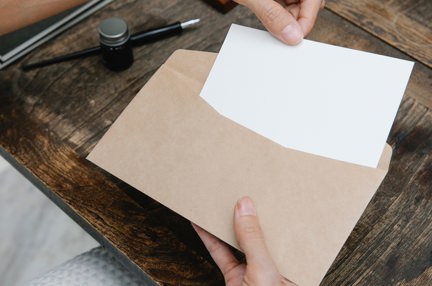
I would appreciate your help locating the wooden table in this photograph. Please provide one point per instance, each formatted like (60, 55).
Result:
(52, 117)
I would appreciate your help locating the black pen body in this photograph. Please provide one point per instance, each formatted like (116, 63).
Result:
(156, 34)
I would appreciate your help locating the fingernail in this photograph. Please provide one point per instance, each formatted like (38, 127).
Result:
(246, 207)
(292, 34)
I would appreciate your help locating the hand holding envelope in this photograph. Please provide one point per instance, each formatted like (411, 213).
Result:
(259, 269)
(199, 155)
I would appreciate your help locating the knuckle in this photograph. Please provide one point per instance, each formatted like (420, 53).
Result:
(214, 246)
(272, 14)
(308, 26)
(252, 231)
(323, 3)
(265, 276)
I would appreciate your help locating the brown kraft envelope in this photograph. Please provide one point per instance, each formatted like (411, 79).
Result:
(174, 147)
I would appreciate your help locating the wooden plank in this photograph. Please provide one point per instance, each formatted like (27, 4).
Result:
(405, 24)
(52, 117)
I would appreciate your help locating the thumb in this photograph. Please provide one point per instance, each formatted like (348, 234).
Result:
(249, 234)
(276, 19)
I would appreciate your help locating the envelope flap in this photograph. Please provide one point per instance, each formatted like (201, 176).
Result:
(193, 64)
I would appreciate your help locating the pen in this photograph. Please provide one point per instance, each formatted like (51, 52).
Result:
(137, 39)
(162, 32)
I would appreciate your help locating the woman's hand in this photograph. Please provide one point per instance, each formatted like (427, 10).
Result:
(288, 20)
(259, 269)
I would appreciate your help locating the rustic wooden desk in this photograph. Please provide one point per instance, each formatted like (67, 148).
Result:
(51, 118)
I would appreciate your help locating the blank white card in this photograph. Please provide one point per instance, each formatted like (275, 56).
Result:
(317, 98)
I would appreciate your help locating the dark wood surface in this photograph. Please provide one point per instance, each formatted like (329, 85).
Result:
(51, 118)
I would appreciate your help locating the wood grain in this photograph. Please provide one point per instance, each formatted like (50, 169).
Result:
(51, 118)
(404, 24)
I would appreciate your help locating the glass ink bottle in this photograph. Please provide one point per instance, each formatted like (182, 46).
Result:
(114, 41)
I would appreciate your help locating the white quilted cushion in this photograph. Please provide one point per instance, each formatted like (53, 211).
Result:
(93, 268)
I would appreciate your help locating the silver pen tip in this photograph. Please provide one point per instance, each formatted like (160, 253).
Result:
(189, 23)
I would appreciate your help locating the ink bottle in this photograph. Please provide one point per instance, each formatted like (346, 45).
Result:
(114, 41)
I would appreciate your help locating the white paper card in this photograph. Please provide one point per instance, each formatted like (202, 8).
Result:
(317, 98)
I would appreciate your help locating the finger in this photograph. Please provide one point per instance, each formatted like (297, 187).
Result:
(276, 19)
(323, 2)
(294, 9)
(219, 251)
(249, 234)
(308, 13)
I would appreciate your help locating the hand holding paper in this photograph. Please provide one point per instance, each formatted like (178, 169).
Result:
(288, 23)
